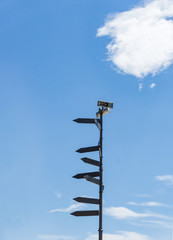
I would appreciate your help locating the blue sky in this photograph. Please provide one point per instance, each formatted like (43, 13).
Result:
(53, 69)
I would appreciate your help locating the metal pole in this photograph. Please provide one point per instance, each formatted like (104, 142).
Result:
(101, 176)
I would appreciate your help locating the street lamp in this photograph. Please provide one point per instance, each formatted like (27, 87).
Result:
(104, 108)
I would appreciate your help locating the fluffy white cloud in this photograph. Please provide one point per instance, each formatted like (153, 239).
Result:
(121, 236)
(69, 209)
(54, 237)
(165, 178)
(125, 213)
(142, 38)
(147, 204)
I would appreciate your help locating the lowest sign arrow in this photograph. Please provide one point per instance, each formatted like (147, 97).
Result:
(85, 213)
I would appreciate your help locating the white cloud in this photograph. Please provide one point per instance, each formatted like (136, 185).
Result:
(153, 85)
(125, 213)
(120, 236)
(165, 178)
(140, 86)
(159, 223)
(54, 237)
(58, 195)
(69, 209)
(147, 204)
(142, 38)
(143, 195)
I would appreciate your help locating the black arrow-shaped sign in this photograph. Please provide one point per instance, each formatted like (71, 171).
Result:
(85, 213)
(82, 175)
(88, 149)
(86, 120)
(87, 200)
(92, 179)
(91, 161)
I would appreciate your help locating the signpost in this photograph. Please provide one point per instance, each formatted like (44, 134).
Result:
(92, 176)
(87, 200)
(85, 120)
(91, 161)
(82, 175)
(92, 179)
(88, 149)
(85, 213)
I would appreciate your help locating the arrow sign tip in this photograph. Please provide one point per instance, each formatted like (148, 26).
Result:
(79, 150)
(77, 120)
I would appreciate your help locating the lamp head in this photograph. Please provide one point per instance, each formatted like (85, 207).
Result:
(104, 111)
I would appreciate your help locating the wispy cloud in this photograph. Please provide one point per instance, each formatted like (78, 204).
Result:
(58, 195)
(168, 179)
(54, 237)
(141, 38)
(140, 86)
(147, 204)
(122, 213)
(143, 195)
(153, 85)
(121, 236)
(125, 213)
(156, 223)
(69, 209)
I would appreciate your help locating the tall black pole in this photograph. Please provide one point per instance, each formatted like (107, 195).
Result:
(101, 176)
(92, 176)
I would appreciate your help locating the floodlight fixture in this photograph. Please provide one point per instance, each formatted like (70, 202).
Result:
(104, 111)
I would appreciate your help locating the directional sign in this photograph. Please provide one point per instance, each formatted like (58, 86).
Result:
(87, 200)
(88, 149)
(82, 175)
(85, 213)
(105, 104)
(85, 120)
(92, 179)
(91, 161)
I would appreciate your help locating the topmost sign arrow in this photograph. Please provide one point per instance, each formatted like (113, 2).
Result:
(104, 104)
(85, 120)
